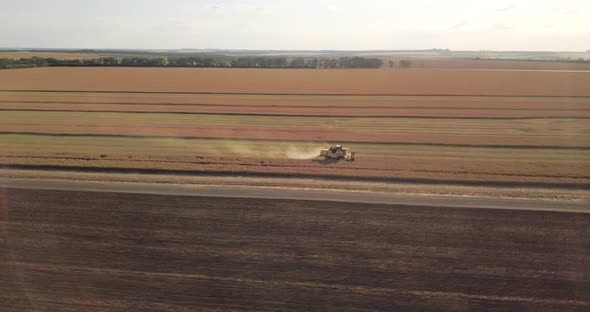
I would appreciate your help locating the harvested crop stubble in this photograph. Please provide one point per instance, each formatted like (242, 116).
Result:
(307, 111)
(312, 101)
(553, 166)
(526, 132)
(312, 134)
(304, 105)
(277, 81)
(218, 147)
(227, 132)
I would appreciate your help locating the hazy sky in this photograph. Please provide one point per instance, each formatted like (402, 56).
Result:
(297, 24)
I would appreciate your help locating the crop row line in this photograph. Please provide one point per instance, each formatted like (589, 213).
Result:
(293, 106)
(299, 94)
(287, 115)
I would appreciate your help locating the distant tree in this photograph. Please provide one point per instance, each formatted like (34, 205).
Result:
(5, 63)
(405, 64)
(330, 63)
(391, 63)
(158, 61)
(35, 60)
(199, 61)
(359, 62)
(312, 63)
(109, 61)
(143, 61)
(91, 62)
(297, 62)
(278, 62)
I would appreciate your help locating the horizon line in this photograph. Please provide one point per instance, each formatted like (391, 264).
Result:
(285, 50)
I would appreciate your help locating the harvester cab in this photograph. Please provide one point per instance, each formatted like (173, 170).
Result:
(337, 152)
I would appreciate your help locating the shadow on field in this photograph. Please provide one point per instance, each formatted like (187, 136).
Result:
(327, 161)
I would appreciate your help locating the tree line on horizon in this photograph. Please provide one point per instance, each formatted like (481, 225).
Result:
(204, 61)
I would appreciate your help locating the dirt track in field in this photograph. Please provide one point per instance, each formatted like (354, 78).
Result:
(72, 251)
(414, 81)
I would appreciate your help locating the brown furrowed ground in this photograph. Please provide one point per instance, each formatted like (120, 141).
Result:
(279, 81)
(90, 251)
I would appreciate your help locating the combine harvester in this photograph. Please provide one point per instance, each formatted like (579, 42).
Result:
(336, 153)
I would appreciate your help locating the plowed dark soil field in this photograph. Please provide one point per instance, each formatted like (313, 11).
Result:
(90, 251)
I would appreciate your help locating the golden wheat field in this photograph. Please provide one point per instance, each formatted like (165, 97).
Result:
(460, 126)
(285, 81)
